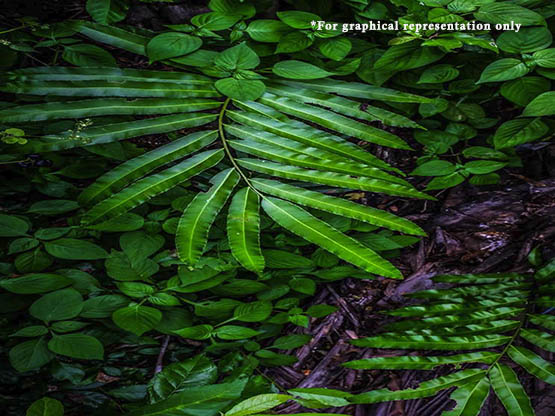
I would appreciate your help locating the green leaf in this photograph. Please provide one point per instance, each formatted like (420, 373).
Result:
(519, 131)
(412, 362)
(237, 57)
(56, 306)
(197, 332)
(73, 249)
(504, 70)
(509, 390)
(144, 189)
(289, 342)
(506, 12)
(205, 400)
(104, 106)
(438, 74)
(482, 167)
(299, 70)
(171, 44)
(545, 58)
(526, 40)
(253, 311)
(267, 30)
(235, 332)
(215, 21)
(30, 355)
(334, 121)
(243, 229)
(196, 371)
(139, 244)
(53, 207)
(337, 206)
(542, 105)
(195, 223)
(293, 42)
(330, 178)
(107, 11)
(31, 331)
(335, 48)
(134, 168)
(280, 259)
(470, 398)
(434, 168)
(81, 346)
(297, 19)
(114, 36)
(443, 182)
(22, 244)
(102, 306)
(300, 222)
(523, 90)
(35, 283)
(432, 342)
(407, 56)
(240, 89)
(137, 319)
(533, 363)
(541, 339)
(87, 56)
(425, 389)
(11, 226)
(257, 404)
(45, 407)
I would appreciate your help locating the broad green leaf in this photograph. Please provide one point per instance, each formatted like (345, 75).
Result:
(81, 346)
(335, 48)
(30, 355)
(56, 306)
(526, 40)
(321, 397)
(243, 229)
(102, 306)
(144, 189)
(235, 332)
(425, 389)
(253, 311)
(533, 363)
(299, 70)
(106, 106)
(267, 30)
(170, 45)
(297, 19)
(334, 121)
(438, 74)
(240, 89)
(504, 70)
(470, 398)
(337, 206)
(31, 331)
(412, 362)
(281, 259)
(107, 11)
(45, 407)
(237, 57)
(434, 168)
(257, 404)
(86, 55)
(545, 58)
(330, 178)
(73, 249)
(293, 42)
(134, 168)
(300, 222)
(432, 342)
(215, 21)
(509, 390)
(542, 105)
(206, 400)
(482, 167)
(11, 226)
(407, 56)
(197, 332)
(53, 207)
(506, 12)
(34, 283)
(196, 371)
(288, 342)
(137, 319)
(195, 223)
(519, 131)
(523, 90)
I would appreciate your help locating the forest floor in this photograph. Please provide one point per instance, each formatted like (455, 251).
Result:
(470, 229)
